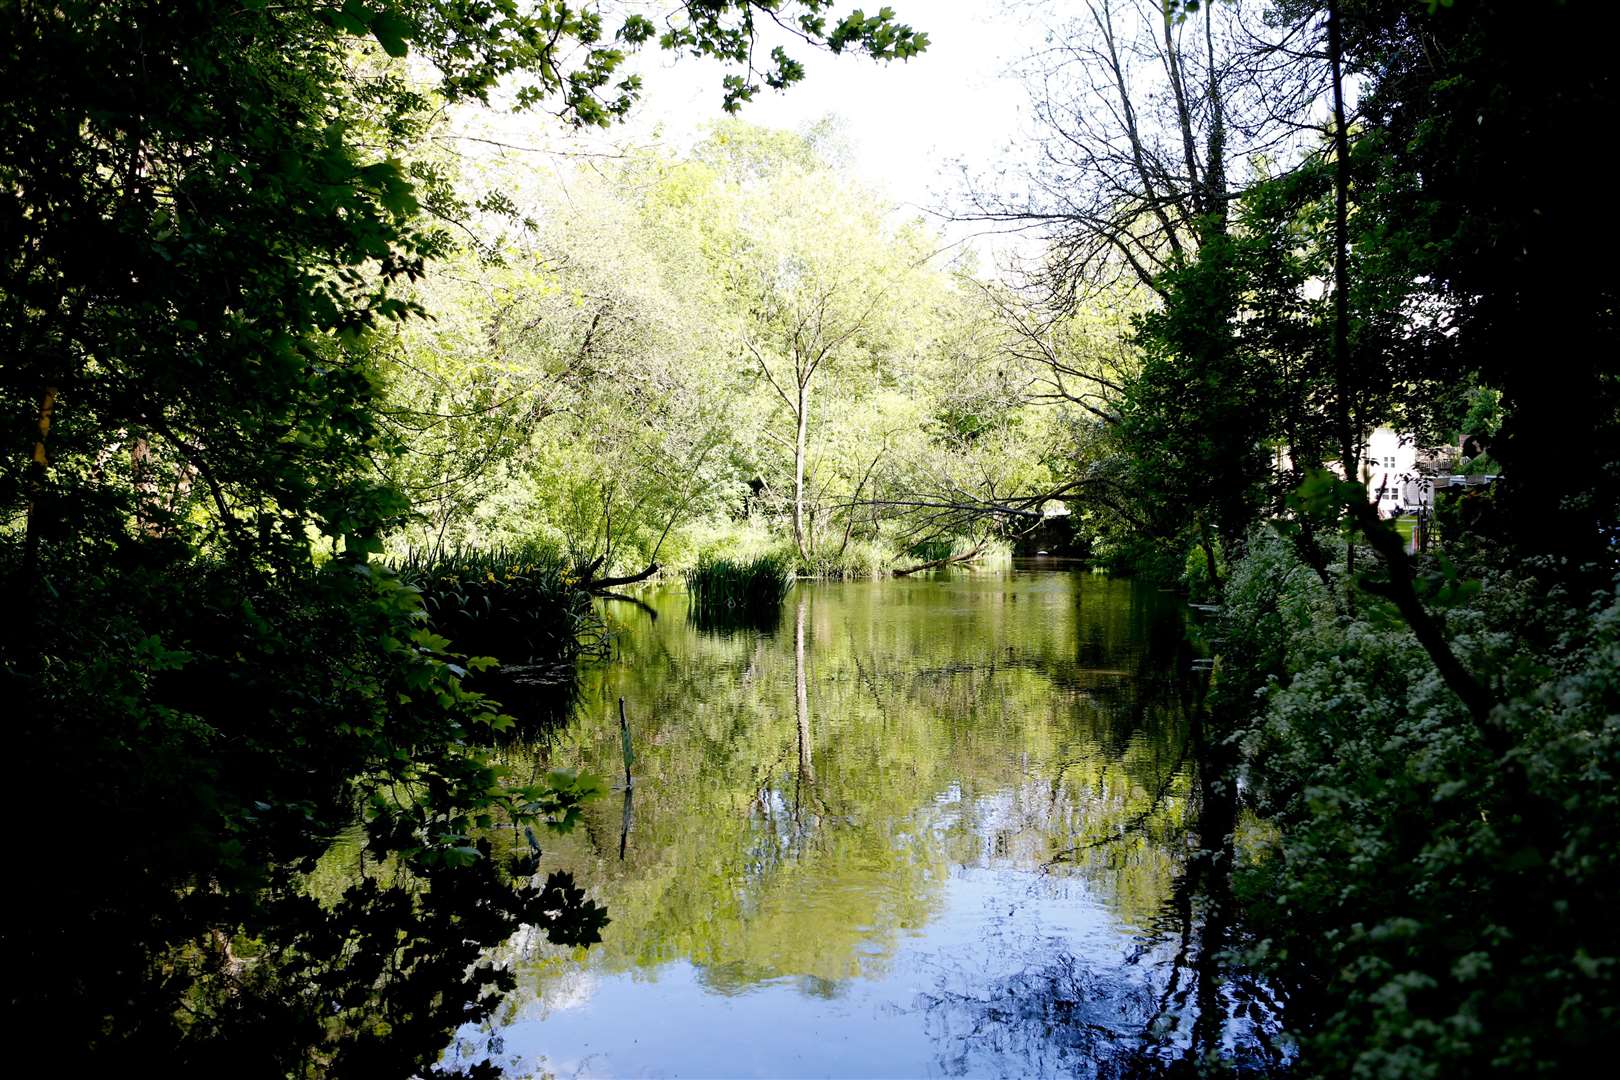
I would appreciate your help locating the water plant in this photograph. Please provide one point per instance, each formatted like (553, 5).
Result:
(853, 561)
(521, 604)
(937, 550)
(942, 552)
(728, 589)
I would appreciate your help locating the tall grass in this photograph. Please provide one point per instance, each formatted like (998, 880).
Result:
(935, 550)
(858, 559)
(748, 589)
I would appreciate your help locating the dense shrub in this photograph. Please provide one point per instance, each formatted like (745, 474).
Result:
(201, 733)
(516, 604)
(1430, 910)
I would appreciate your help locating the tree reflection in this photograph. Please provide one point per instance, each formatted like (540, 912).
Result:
(1033, 725)
(801, 706)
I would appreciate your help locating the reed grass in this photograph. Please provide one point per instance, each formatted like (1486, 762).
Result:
(856, 560)
(740, 585)
(935, 550)
(989, 553)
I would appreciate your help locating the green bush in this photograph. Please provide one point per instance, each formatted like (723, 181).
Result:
(1429, 909)
(516, 604)
(219, 727)
(740, 586)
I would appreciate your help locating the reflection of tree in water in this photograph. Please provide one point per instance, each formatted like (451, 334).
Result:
(1056, 1018)
(1203, 1007)
(1061, 1018)
(800, 803)
(1208, 1008)
(1174, 1005)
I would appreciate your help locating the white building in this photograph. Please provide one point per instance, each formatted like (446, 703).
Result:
(1390, 467)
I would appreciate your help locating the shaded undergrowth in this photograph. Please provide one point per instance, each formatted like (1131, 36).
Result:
(524, 607)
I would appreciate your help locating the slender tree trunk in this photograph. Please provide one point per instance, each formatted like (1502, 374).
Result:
(800, 441)
(1349, 453)
(37, 474)
(1215, 171)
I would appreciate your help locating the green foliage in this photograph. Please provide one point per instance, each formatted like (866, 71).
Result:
(707, 32)
(236, 724)
(515, 604)
(214, 218)
(1470, 204)
(1426, 914)
(858, 559)
(1200, 406)
(743, 590)
(965, 549)
(934, 550)
(1430, 737)
(1201, 587)
(622, 380)
(1484, 415)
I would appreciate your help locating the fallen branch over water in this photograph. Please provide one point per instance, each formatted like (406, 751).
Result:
(966, 556)
(599, 585)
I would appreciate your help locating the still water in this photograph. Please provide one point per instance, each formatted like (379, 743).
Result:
(916, 827)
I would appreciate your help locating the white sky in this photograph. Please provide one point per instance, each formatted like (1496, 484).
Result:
(910, 126)
(905, 122)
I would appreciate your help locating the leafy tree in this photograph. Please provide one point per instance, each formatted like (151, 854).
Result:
(815, 285)
(1410, 718)
(208, 223)
(1482, 108)
(1196, 419)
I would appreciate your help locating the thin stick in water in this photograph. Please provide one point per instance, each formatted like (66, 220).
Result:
(629, 755)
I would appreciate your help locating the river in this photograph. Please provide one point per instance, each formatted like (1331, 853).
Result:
(914, 827)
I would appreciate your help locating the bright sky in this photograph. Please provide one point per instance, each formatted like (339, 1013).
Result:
(906, 122)
(910, 127)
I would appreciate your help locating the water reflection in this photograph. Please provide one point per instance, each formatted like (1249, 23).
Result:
(916, 827)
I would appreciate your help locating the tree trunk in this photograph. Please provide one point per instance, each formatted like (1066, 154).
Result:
(802, 413)
(38, 473)
(801, 703)
(596, 585)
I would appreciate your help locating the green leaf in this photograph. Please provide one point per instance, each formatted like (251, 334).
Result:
(391, 30)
